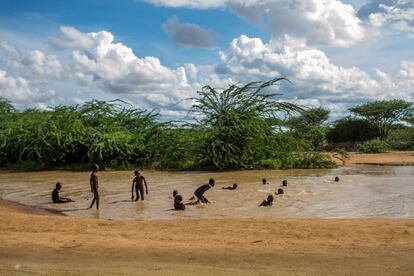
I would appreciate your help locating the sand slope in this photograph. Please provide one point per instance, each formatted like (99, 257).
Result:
(388, 158)
(52, 245)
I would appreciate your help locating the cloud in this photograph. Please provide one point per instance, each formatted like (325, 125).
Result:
(9, 49)
(35, 65)
(319, 22)
(397, 13)
(250, 56)
(105, 69)
(41, 65)
(189, 35)
(406, 75)
(373, 6)
(114, 68)
(20, 92)
(196, 4)
(316, 79)
(72, 39)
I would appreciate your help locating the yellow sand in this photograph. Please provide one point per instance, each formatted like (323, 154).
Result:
(389, 158)
(34, 241)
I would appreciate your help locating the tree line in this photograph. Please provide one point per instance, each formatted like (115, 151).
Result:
(242, 126)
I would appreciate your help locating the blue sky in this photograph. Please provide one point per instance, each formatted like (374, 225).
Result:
(134, 23)
(154, 53)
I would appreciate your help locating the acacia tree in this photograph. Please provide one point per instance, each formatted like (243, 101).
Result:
(383, 114)
(309, 125)
(238, 122)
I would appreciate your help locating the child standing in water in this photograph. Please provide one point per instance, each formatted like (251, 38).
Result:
(94, 186)
(139, 182)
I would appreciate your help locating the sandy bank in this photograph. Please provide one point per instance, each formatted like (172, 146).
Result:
(393, 158)
(41, 243)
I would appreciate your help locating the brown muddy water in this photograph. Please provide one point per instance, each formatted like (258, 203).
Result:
(362, 192)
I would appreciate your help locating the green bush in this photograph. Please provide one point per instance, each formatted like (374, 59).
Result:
(349, 129)
(373, 146)
(401, 138)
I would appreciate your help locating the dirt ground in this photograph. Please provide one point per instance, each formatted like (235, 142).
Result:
(36, 242)
(388, 158)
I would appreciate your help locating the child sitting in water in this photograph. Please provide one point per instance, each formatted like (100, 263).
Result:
(178, 203)
(55, 195)
(267, 202)
(234, 187)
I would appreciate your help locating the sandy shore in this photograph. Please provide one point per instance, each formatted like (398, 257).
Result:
(395, 158)
(44, 243)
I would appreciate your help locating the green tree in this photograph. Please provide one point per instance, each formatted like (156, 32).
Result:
(6, 106)
(311, 117)
(348, 129)
(309, 125)
(239, 122)
(383, 114)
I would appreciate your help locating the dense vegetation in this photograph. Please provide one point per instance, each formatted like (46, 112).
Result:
(238, 127)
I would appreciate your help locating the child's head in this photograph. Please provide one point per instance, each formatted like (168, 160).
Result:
(212, 182)
(95, 168)
(175, 192)
(58, 186)
(284, 183)
(136, 172)
(280, 191)
(235, 186)
(264, 181)
(336, 179)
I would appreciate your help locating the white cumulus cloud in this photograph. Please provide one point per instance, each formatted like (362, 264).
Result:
(316, 79)
(20, 91)
(319, 22)
(397, 13)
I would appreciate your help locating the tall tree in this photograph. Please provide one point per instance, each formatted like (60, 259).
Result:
(309, 125)
(238, 122)
(384, 114)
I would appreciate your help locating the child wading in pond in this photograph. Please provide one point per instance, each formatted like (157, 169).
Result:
(199, 193)
(94, 186)
(139, 182)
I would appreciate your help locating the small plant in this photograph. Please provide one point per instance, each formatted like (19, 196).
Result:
(373, 146)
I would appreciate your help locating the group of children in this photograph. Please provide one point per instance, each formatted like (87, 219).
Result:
(139, 182)
(270, 198)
